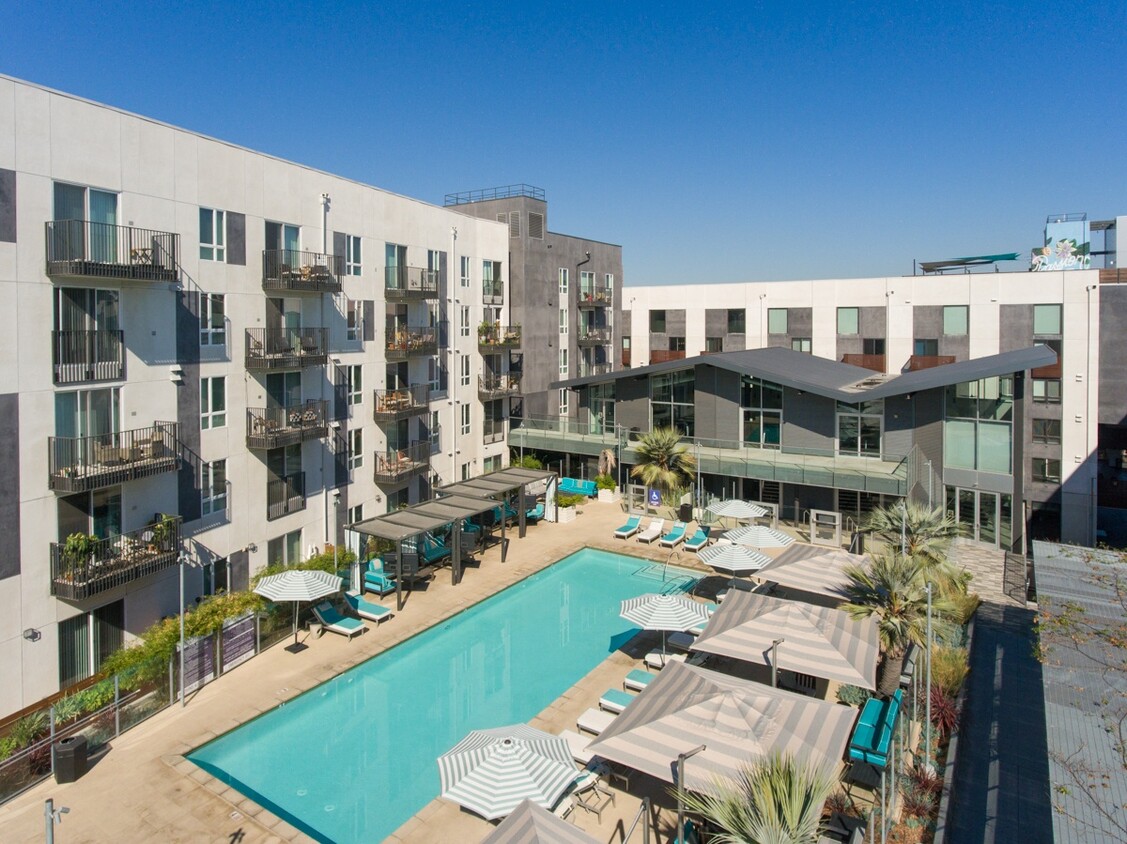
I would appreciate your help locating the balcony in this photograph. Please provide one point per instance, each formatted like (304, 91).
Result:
(873, 362)
(108, 563)
(1053, 370)
(498, 386)
(81, 464)
(78, 357)
(494, 430)
(286, 348)
(917, 362)
(83, 249)
(393, 405)
(285, 495)
(595, 296)
(493, 292)
(301, 272)
(594, 337)
(273, 427)
(410, 283)
(398, 465)
(404, 343)
(665, 355)
(588, 369)
(492, 336)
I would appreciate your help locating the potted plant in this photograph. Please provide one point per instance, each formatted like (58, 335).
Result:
(78, 549)
(608, 489)
(164, 529)
(566, 507)
(486, 333)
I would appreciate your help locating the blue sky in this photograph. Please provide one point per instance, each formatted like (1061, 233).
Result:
(719, 143)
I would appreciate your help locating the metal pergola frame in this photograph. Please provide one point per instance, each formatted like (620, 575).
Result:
(498, 485)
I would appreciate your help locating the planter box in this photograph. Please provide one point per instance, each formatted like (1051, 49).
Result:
(610, 496)
(565, 515)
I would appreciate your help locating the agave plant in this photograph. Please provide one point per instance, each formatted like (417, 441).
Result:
(664, 461)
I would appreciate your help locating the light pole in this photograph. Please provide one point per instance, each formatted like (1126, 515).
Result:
(927, 697)
(775, 662)
(681, 757)
(183, 697)
(904, 527)
(927, 463)
(51, 816)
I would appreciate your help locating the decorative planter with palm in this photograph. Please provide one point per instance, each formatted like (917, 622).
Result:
(664, 462)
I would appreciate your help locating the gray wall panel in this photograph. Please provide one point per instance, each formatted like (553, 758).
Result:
(632, 404)
(1015, 330)
(188, 405)
(236, 239)
(1113, 354)
(10, 489)
(928, 410)
(809, 423)
(7, 205)
(899, 420)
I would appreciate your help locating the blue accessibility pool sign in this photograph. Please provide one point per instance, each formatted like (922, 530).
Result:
(655, 497)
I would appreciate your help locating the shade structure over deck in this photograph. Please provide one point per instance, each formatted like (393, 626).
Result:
(495, 487)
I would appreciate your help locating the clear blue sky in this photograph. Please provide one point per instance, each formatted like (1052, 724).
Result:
(720, 143)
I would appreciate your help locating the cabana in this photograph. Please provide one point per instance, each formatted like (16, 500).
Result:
(496, 487)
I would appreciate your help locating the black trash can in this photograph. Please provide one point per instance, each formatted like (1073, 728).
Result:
(686, 513)
(70, 759)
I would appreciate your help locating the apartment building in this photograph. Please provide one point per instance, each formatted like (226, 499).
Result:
(564, 297)
(217, 355)
(1072, 412)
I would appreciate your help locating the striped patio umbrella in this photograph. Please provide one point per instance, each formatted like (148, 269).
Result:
(664, 613)
(298, 585)
(491, 772)
(759, 536)
(529, 824)
(736, 509)
(817, 570)
(733, 558)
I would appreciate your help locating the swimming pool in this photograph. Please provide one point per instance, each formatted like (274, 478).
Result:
(354, 758)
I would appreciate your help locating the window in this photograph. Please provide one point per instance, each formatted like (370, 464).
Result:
(859, 428)
(213, 487)
(712, 345)
(563, 362)
(676, 344)
(848, 321)
(978, 429)
(1046, 430)
(563, 321)
(435, 380)
(74, 202)
(465, 471)
(465, 419)
(282, 236)
(213, 402)
(586, 286)
(926, 347)
(464, 321)
(435, 432)
(464, 272)
(1046, 319)
(491, 464)
(563, 282)
(673, 401)
(465, 373)
(608, 280)
(213, 322)
(356, 448)
(1046, 390)
(85, 640)
(564, 401)
(355, 311)
(355, 514)
(801, 344)
(352, 264)
(737, 321)
(1046, 470)
(872, 346)
(955, 320)
(657, 322)
(776, 320)
(284, 550)
(762, 403)
(355, 375)
(492, 287)
(213, 231)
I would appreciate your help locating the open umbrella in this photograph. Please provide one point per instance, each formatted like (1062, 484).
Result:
(491, 772)
(820, 571)
(664, 613)
(529, 824)
(733, 559)
(759, 536)
(736, 509)
(298, 585)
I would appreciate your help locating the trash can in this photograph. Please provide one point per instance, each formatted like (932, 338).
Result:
(70, 759)
(685, 514)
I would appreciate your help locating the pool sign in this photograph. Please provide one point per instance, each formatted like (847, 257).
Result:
(655, 498)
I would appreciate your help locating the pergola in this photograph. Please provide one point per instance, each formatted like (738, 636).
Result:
(496, 486)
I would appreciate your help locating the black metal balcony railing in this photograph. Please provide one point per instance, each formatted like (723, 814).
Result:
(492, 386)
(293, 269)
(405, 342)
(285, 495)
(494, 430)
(594, 336)
(286, 348)
(410, 283)
(493, 292)
(495, 335)
(273, 427)
(81, 356)
(102, 250)
(595, 296)
(108, 563)
(393, 405)
(81, 464)
(397, 465)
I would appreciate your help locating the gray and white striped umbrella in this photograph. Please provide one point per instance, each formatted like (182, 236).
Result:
(664, 613)
(759, 536)
(298, 585)
(491, 771)
(737, 509)
(529, 824)
(733, 558)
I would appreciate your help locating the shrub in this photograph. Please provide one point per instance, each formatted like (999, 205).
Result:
(944, 711)
(569, 499)
(949, 668)
(8, 747)
(28, 728)
(853, 695)
(605, 482)
(925, 780)
(529, 461)
(917, 803)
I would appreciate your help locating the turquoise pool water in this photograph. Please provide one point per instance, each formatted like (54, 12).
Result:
(354, 758)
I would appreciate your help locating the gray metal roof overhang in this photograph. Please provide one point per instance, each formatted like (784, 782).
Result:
(400, 525)
(496, 483)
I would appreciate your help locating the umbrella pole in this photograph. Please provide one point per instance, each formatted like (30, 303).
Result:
(295, 624)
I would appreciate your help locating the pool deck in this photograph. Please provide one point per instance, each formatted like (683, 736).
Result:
(144, 789)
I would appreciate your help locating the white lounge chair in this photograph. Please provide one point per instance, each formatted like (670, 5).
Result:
(615, 700)
(652, 531)
(335, 622)
(656, 660)
(637, 680)
(577, 744)
(594, 721)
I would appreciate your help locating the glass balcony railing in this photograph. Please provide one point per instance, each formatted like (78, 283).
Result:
(594, 336)
(595, 296)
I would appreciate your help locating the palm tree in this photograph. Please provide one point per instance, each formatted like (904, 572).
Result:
(607, 461)
(775, 800)
(927, 531)
(891, 589)
(664, 461)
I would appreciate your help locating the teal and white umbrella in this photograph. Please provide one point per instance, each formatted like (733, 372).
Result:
(759, 536)
(491, 772)
(665, 613)
(734, 559)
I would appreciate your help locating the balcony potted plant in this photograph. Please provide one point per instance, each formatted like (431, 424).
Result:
(487, 333)
(78, 549)
(163, 530)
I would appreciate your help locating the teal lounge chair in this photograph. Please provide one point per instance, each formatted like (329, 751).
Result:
(332, 620)
(615, 700)
(632, 526)
(637, 680)
(675, 536)
(432, 551)
(365, 608)
(376, 579)
(535, 514)
(698, 540)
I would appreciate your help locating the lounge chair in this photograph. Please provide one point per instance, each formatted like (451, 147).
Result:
(652, 531)
(535, 514)
(675, 536)
(577, 744)
(376, 579)
(587, 789)
(632, 526)
(615, 700)
(365, 608)
(657, 660)
(432, 550)
(698, 540)
(332, 620)
(681, 640)
(637, 680)
(594, 721)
